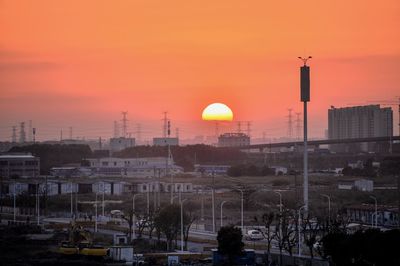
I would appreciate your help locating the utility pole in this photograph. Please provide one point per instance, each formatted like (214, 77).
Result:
(290, 124)
(139, 133)
(305, 97)
(70, 132)
(116, 129)
(248, 128)
(34, 134)
(22, 135)
(124, 124)
(165, 120)
(14, 134)
(29, 130)
(298, 126)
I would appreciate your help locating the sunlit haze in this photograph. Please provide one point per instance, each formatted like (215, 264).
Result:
(80, 64)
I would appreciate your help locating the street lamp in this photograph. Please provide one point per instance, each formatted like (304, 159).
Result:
(298, 229)
(37, 204)
(329, 206)
(376, 210)
(133, 214)
(280, 211)
(15, 203)
(72, 201)
(280, 200)
(241, 208)
(305, 97)
(95, 214)
(172, 200)
(222, 204)
(181, 202)
(102, 200)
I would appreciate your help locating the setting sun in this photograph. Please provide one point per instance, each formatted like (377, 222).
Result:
(217, 112)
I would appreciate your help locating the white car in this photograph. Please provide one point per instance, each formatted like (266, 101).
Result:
(254, 235)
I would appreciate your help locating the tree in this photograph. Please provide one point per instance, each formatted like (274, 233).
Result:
(310, 230)
(267, 219)
(285, 233)
(168, 221)
(129, 219)
(230, 242)
(188, 219)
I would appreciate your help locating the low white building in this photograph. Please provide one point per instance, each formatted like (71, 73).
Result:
(280, 170)
(163, 187)
(19, 165)
(210, 169)
(358, 184)
(133, 167)
(364, 185)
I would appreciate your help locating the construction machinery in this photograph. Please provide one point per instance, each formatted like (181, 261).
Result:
(80, 242)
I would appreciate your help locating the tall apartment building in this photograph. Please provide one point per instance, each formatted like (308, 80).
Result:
(359, 122)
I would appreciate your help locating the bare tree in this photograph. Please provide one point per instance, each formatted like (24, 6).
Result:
(310, 231)
(267, 219)
(129, 219)
(188, 219)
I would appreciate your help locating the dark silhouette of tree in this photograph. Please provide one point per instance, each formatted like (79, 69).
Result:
(184, 155)
(369, 247)
(310, 231)
(168, 222)
(189, 218)
(129, 219)
(267, 219)
(230, 242)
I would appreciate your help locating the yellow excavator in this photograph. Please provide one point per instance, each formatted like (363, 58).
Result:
(81, 243)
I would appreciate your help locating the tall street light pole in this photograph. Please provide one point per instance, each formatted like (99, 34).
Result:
(376, 210)
(222, 204)
(181, 202)
(329, 207)
(305, 97)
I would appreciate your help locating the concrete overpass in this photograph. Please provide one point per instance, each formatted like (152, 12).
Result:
(318, 142)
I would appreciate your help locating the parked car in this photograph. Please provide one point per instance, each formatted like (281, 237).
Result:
(254, 235)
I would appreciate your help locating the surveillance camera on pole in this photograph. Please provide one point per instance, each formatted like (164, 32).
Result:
(305, 97)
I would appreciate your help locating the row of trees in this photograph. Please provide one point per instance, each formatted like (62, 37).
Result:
(250, 170)
(187, 156)
(330, 238)
(165, 221)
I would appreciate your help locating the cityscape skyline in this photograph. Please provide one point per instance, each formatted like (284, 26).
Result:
(83, 72)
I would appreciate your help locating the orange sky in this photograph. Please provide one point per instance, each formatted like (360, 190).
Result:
(79, 63)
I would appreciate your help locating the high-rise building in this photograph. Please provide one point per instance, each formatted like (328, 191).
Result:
(359, 122)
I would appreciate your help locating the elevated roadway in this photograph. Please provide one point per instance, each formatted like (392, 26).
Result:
(318, 142)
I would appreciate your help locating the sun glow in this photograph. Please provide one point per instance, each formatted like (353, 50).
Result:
(217, 112)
